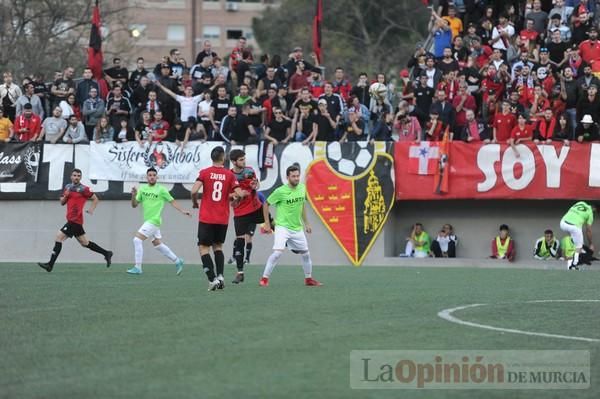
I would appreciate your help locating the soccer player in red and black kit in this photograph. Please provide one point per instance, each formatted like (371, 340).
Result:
(220, 186)
(75, 195)
(247, 213)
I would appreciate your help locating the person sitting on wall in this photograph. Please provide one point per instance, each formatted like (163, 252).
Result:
(418, 244)
(503, 246)
(546, 247)
(444, 246)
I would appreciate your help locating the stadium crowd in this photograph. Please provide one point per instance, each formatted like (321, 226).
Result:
(498, 71)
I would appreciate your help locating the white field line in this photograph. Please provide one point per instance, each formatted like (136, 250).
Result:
(446, 314)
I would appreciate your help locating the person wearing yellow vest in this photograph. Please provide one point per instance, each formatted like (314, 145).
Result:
(546, 247)
(503, 246)
(418, 244)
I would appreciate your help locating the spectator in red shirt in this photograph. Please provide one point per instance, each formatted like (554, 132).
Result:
(481, 52)
(434, 130)
(520, 133)
(529, 36)
(461, 103)
(590, 49)
(545, 128)
(298, 80)
(159, 127)
(341, 85)
(28, 125)
(236, 55)
(503, 125)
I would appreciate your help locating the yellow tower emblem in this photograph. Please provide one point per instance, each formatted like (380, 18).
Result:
(375, 208)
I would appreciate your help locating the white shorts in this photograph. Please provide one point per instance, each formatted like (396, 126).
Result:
(574, 231)
(295, 240)
(150, 231)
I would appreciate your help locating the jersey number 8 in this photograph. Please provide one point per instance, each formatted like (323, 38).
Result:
(217, 192)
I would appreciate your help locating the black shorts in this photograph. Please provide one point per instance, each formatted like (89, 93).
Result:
(210, 234)
(72, 230)
(246, 224)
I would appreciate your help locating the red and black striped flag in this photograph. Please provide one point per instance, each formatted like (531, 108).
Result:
(318, 19)
(95, 47)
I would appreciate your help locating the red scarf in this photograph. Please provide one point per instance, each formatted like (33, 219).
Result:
(546, 129)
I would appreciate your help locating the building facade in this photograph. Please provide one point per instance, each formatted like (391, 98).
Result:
(156, 26)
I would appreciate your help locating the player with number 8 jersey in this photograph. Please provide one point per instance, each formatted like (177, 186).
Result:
(219, 187)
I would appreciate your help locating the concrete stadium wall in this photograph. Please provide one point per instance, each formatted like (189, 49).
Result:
(28, 229)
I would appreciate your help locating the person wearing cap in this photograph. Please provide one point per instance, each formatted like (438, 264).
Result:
(470, 36)
(282, 100)
(296, 56)
(503, 246)
(590, 49)
(27, 126)
(587, 130)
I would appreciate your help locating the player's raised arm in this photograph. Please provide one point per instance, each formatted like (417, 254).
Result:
(176, 205)
(134, 201)
(95, 201)
(195, 190)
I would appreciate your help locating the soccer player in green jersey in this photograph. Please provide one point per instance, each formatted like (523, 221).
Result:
(153, 197)
(290, 223)
(580, 215)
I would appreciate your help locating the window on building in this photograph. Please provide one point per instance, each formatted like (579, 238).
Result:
(234, 34)
(176, 33)
(211, 32)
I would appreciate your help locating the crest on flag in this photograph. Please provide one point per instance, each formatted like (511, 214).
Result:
(353, 208)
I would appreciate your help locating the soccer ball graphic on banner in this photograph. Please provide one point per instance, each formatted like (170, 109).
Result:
(351, 159)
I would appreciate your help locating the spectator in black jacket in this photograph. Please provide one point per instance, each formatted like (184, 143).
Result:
(443, 108)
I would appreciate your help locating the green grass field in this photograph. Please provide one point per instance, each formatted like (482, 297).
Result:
(83, 331)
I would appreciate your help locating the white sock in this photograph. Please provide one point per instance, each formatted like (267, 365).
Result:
(576, 258)
(166, 251)
(409, 248)
(138, 246)
(306, 264)
(271, 263)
